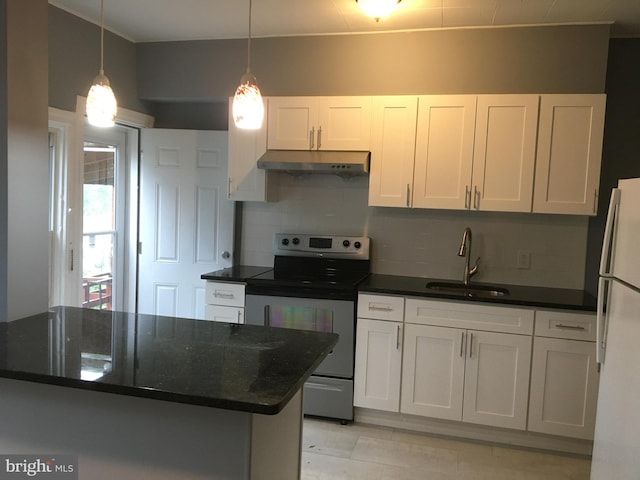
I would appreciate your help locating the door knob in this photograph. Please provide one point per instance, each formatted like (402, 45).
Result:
(226, 255)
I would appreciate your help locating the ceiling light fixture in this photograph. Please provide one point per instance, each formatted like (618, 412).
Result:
(101, 102)
(248, 109)
(377, 9)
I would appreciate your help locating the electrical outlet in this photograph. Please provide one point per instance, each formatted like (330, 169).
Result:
(524, 259)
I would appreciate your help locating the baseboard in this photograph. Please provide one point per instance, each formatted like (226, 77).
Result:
(469, 431)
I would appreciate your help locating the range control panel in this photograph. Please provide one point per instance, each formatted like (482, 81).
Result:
(330, 246)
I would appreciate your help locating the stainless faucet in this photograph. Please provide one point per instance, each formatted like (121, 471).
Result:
(465, 251)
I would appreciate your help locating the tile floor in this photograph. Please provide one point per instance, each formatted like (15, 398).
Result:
(332, 451)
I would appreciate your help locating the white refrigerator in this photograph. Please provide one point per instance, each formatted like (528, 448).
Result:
(616, 447)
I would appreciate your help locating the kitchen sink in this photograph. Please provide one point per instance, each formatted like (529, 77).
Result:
(471, 290)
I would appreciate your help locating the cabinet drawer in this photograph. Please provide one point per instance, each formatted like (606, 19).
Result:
(381, 307)
(217, 313)
(469, 315)
(570, 325)
(223, 293)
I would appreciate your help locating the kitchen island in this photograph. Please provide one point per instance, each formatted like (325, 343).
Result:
(143, 396)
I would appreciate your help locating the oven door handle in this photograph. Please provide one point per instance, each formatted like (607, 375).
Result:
(322, 386)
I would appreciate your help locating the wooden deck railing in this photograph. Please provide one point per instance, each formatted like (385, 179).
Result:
(96, 292)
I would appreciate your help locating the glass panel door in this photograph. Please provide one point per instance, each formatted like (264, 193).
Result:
(104, 197)
(98, 226)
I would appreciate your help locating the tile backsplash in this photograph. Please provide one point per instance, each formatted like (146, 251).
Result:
(419, 242)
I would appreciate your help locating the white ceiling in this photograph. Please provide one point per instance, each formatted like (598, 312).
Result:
(165, 20)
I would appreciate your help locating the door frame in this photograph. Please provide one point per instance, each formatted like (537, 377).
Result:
(68, 170)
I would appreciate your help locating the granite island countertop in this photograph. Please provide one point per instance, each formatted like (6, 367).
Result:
(540, 297)
(237, 367)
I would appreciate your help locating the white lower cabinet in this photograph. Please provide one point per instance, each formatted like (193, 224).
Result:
(378, 352)
(378, 362)
(476, 363)
(473, 376)
(496, 383)
(564, 376)
(220, 313)
(433, 372)
(224, 302)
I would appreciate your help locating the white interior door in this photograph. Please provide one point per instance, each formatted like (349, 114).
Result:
(186, 220)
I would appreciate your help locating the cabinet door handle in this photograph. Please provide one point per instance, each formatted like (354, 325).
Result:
(398, 337)
(223, 295)
(595, 201)
(476, 197)
(311, 137)
(229, 187)
(602, 320)
(408, 195)
(569, 327)
(470, 345)
(467, 197)
(377, 308)
(319, 137)
(461, 344)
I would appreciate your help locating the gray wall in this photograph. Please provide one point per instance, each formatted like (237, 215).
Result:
(24, 174)
(621, 149)
(504, 60)
(74, 61)
(4, 197)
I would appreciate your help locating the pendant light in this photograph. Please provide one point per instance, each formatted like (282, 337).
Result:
(377, 9)
(248, 109)
(101, 102)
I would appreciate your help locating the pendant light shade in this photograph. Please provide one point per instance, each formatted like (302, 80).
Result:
(102, 106)
(247, 108)
(377, 9)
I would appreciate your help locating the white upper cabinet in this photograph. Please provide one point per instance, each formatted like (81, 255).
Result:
(392, 151)
(319, 123)
(245, 181)
(504, 153)
(569, 154)
(471, 152)
(444, 151)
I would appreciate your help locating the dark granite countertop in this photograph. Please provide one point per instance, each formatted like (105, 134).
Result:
(540, 297)
(237, 273)
(238, 367)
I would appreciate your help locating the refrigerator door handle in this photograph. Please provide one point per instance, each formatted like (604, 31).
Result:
(602, 320)
(609, 230)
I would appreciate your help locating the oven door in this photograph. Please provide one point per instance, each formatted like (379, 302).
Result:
(335, 316)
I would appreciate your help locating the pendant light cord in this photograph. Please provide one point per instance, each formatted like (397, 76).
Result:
(249, 42)
(101, 37)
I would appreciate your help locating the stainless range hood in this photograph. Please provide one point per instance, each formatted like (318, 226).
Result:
(299, 162)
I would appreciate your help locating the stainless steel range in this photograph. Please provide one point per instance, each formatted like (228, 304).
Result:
(313, 286)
